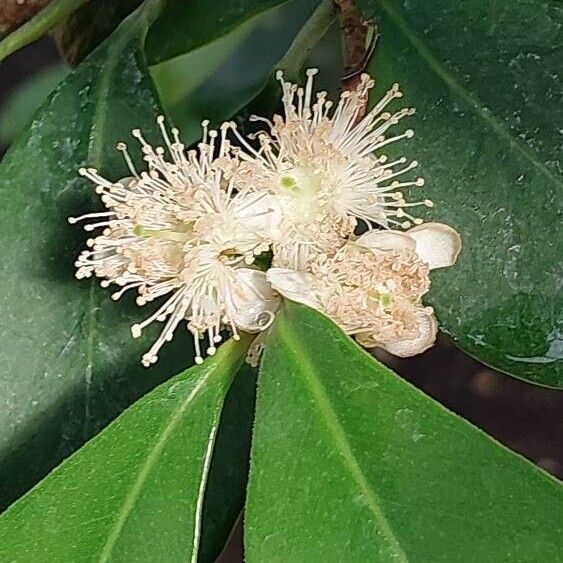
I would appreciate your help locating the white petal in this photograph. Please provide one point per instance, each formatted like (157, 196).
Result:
(428, 328)
(436, 244)
(126, 180)
(254, 303)
(260, 212)
(385, 240)
(366, 340)
(297, 286)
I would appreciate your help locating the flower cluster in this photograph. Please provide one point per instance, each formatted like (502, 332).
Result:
(195, 227)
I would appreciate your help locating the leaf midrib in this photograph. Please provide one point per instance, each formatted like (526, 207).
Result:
(152, 458)
(441, 72)
(334, 427)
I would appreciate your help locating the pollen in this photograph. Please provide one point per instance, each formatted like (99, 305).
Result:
(375, 294)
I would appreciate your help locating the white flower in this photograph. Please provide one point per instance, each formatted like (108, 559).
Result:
(373, 287)
(181, 231)
(326, 169)
(190, 227)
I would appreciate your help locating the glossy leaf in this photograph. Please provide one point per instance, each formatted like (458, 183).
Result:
(135, 492)
(181, 28)
(69, 364)
(351, 463)
(485, 82)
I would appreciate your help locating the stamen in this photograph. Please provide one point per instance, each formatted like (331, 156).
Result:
(122, 147)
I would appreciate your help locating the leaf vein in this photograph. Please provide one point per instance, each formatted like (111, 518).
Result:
(335, 428)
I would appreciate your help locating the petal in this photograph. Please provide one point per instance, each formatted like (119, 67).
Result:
(436, 244)
(427, 326)
(128, 182)
(366, 340)
(385, 240)
(254, 303)
(297, 286)
(259, 212)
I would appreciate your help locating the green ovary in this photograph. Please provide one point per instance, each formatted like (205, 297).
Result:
(288, 183)
(301, 181)
(303, 185)
(385, 299)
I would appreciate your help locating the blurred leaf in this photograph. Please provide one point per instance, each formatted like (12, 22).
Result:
(38, 25)
(217, 80)
(183, 27)
(316, 34)
(135, 492)
(485, 79)
(351, 463)
(180, 80)
(69, 362)
(25, 100)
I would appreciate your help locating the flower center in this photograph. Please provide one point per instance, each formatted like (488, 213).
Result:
(384, 299)
(300, 182)
(303, 186)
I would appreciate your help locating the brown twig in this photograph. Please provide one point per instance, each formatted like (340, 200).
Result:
(14, 13)
(359, 39)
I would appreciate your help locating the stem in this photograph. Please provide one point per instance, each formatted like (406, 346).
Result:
(354, 36)
(42, 22)
(311, 33)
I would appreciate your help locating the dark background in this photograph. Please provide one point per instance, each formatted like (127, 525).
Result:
(526, 418)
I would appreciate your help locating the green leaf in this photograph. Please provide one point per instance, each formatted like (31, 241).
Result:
(215, 81)
(182, 28)
(69, 363)
(135, 492)
(351, 463)
(42, 22)
(484, 80)
(26, 99)
(228, 473)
